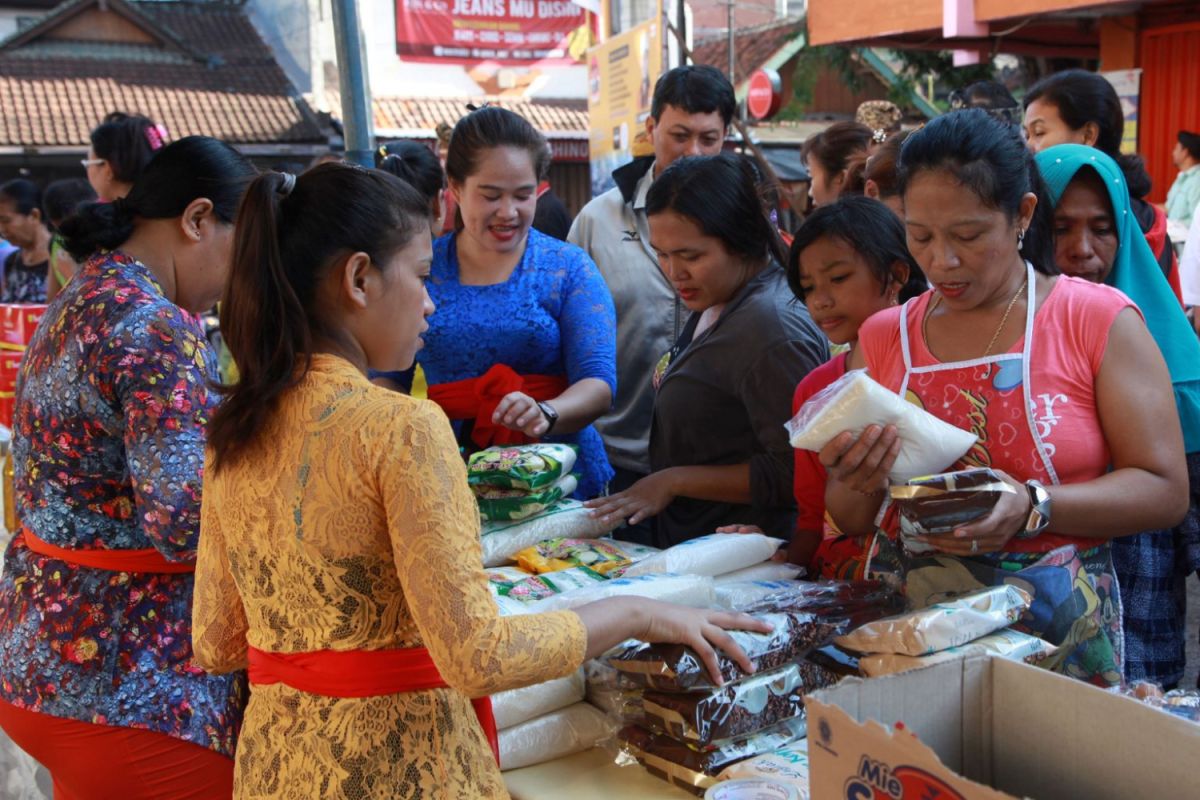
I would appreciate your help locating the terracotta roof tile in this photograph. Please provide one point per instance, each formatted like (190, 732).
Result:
(237, 93)
(753, 47)
(564, 117)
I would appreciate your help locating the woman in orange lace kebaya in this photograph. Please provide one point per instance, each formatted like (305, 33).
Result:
(340, 560)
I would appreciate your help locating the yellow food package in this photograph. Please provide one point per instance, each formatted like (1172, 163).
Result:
(553, 555)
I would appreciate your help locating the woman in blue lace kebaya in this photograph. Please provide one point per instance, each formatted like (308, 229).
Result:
(96, 674)
(523, 345)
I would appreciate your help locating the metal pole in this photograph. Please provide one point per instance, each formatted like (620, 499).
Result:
(732, 61)
(352, 83)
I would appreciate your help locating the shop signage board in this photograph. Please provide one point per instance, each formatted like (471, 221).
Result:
(622, 72)
(511, 32)
(764, 97)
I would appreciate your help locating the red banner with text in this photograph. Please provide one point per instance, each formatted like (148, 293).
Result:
(504, 31)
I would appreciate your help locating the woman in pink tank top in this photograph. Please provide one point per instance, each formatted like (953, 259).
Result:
(1038, 367)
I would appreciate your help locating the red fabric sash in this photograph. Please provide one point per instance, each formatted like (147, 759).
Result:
(361, 673)
(477, 398)
(142, 560)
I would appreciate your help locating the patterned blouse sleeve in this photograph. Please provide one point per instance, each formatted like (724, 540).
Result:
(434, 527)
(159, 364)
(588, 321)
(218, 618)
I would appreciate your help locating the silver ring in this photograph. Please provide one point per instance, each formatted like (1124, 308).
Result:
(975, 546)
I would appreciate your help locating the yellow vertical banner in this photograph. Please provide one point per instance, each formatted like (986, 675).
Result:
(622, 72)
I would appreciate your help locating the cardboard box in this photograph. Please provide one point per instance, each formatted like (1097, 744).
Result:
(18, 322)
(987, 728)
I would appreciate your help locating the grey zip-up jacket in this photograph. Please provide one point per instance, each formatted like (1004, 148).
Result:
(613, 229)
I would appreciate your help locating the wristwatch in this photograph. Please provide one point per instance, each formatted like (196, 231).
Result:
(1039, 511)
(550, 414)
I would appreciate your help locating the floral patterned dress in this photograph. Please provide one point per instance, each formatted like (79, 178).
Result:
(112, 400)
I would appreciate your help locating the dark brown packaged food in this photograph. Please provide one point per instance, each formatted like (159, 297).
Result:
(693, 767)
(802, 619)
(940, 503)
(739, 709)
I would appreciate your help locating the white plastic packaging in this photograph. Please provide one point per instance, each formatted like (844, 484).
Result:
(788, 764)
(941, 626)
(715, 554)
(766, 571)
(686, 590)
(521, 705)
(1009, 644)
(568, 518)
(736, 595)
(558, 734)
(855, 401)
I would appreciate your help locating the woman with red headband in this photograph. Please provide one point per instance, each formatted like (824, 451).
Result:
(341, 559)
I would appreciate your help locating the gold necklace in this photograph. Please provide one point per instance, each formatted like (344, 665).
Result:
(1003, 320)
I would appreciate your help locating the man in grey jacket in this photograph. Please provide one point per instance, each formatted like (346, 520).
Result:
(689, 116)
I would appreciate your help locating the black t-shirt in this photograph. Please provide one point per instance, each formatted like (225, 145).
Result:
(23, 283)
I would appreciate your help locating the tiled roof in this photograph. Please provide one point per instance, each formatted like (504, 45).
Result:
(564, 118)
(225, 83)
(753, 47)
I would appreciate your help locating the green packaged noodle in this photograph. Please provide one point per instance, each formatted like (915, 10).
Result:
(538, 587)
(526, 466)
(496, 503)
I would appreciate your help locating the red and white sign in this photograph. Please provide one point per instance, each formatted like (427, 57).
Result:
(765, 94)
(470, 31)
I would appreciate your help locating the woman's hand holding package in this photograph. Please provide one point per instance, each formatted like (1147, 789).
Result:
(643, 500)
(701, 629)
(992, 532)
(862, 464)
(520, 412)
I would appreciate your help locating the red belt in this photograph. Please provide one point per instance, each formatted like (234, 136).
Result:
(143, 560)
(361, 673)
(477, 398)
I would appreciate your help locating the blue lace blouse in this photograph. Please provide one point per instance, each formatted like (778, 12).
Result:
(553, 316)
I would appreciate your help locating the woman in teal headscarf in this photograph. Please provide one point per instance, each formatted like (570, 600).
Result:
(1097, 238)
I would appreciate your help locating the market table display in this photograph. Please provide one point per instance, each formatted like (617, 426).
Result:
(591, 775)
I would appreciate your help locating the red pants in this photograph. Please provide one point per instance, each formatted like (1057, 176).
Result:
(103, 762)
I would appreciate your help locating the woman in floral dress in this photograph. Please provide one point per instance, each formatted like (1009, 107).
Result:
(96, 674)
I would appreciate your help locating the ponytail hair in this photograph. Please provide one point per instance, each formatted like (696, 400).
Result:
(183, 171)
(127, 142)
(415, 164)
(489, 127)
(290, 233)
(841, 146)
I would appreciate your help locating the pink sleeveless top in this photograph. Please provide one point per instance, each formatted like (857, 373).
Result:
(1050, 430)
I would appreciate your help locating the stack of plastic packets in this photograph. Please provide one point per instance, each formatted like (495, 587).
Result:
(517, 482)
(687, 730)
